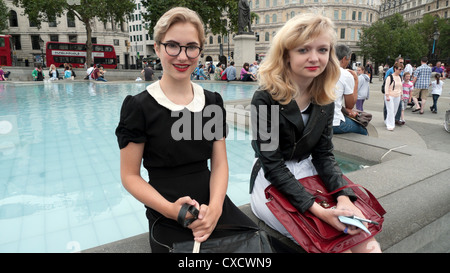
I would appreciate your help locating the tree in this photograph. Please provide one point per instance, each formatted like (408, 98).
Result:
(426, 29)
(393, 37)
(84, 10)
(211, 12)
(4, 16)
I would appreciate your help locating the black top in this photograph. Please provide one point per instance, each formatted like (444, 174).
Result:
(295, 141)
(176, 142)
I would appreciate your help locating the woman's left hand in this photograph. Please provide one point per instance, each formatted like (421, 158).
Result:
(205, 223)
(344, 203)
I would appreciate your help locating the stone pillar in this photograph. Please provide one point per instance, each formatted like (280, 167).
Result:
(244, 51)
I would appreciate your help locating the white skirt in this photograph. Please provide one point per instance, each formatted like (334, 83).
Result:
(258, 199)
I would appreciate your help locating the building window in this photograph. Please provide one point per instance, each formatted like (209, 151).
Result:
(266, 36)
(342, 33)
(52, 22)
(54, 38)
(70, 19)
(32, 24)
(72, 38)
(16, 42)
(274, 18)
(13, 19)
(35, 42)
(116, 42)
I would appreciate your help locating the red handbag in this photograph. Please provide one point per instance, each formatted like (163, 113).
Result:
(311, 233)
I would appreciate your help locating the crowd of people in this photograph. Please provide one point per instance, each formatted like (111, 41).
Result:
(221, 72)
(94, 72)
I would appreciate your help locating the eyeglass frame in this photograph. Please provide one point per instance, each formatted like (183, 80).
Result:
(181, 47)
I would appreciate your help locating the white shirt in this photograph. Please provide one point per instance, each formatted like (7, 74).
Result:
(408, 68)
(344, 86)
(437, 88)
(196, 105)
(89, 72)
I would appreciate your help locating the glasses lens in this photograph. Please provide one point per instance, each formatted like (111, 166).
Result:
(192, 51)
(172, 49)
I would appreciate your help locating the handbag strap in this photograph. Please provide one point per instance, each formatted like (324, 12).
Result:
(372, 200)
(153, 237)
(181, 219)
(185, 208)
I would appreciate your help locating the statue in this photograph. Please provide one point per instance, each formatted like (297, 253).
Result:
(244, 19)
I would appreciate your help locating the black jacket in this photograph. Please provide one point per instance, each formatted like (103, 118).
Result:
(296, 142)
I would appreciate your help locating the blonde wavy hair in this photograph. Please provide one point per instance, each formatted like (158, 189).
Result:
(275, 73)
(179, 15)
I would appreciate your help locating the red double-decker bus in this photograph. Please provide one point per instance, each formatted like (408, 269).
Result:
(5, 50)
(58, 53)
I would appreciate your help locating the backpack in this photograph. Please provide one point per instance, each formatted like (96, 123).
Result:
(384, 83)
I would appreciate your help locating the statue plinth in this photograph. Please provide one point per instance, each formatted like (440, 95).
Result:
(244, 50)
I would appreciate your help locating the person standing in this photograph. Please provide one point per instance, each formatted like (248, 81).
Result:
(380, 72)
(363, 88)
(392, 96)
(369, 70)
(436, 91)
(421, 81)
(390, 71)
(178, 165)
(406, 96)
(148, 73)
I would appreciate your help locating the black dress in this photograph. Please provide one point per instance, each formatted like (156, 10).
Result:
(176, 157)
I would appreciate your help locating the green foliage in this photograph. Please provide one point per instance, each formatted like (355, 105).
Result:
(4, 16)
(211, 12)
(393, 37)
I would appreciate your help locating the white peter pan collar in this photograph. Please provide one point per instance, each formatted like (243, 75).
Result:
(196, 105)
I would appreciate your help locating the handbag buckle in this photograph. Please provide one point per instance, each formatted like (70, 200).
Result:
(324, 204)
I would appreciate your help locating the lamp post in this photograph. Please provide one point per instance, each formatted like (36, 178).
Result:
(41, 45)
(435, 38)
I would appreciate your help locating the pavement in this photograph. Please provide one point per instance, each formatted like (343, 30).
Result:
(425, 131)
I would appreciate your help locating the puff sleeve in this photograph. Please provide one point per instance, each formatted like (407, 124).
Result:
(131, 126)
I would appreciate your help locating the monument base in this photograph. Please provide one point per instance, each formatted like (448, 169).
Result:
(244, 50)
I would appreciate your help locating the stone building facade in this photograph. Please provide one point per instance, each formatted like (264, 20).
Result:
(349, 16)
(413, 10)
(67, 28)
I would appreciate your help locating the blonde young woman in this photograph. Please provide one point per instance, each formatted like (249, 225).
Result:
(297, 81)
(393, 95)
(149, 130)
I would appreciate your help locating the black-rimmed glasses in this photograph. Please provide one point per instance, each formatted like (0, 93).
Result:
(174, 49)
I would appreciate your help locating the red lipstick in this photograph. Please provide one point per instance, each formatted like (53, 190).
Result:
(181, 67)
